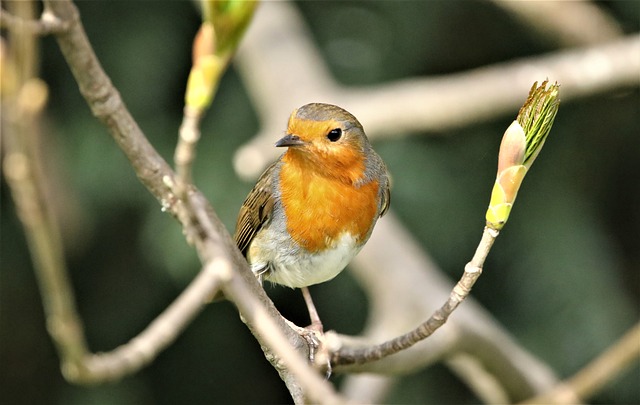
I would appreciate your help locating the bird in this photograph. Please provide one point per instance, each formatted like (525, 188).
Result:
(314, 208)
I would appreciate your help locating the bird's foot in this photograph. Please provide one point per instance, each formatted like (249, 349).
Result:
(318, 353)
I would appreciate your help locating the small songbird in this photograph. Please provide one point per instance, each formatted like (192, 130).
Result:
(313, 209)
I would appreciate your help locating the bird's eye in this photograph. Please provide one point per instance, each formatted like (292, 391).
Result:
(334, 134)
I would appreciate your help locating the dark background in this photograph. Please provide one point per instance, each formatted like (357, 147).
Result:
(563, 278)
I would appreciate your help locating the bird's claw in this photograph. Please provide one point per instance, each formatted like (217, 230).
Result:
(314, 336)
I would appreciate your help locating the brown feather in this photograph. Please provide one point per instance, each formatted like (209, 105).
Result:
(386, 200)
(255, 211)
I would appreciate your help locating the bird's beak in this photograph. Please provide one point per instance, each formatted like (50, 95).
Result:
(290, 140)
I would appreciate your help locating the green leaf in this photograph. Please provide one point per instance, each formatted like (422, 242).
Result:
(536, 117)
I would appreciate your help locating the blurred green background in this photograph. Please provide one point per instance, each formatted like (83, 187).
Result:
(563, 278)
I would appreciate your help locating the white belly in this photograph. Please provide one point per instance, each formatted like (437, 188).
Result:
(293, 267)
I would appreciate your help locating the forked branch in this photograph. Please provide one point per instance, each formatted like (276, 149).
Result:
(214, 245)
(473, 270)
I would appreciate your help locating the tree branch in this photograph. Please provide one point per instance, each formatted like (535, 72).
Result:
(426, 105)
(106, 104)
(211, 239)
(567, 23)
(24, 98)
(143, 349)
(47, 24)
(223, 266)
(277, 84)
(473, 269)
(416, 289)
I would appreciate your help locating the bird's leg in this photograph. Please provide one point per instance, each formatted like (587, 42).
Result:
(316, 323)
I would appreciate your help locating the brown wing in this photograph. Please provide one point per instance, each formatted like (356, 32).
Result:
(386, 199)
(255, 211)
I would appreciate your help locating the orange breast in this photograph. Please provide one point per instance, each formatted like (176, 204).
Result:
(320, 208)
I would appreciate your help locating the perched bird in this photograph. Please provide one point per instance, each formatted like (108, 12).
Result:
(313, 209)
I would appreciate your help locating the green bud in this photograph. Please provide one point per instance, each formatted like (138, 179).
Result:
(224, 24)
(536, 117)
(230, 18)
(520, 146)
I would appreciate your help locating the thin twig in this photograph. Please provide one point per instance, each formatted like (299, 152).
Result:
(143, 349)
(63, 323)
(208, 233)
(404, 286)
(428, 105)
(28, 186)
(106, 104)
(276, 85)
(23, 102)
(185, 153)
(472, 271)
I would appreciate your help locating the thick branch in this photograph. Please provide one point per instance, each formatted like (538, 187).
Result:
(433, 104)
(211, 239)
(567, 23)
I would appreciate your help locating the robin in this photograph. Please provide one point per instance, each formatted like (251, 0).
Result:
(313, 209)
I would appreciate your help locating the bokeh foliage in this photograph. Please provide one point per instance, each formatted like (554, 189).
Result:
(563, 277)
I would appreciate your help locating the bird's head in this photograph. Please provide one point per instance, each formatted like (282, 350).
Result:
(327, 139)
